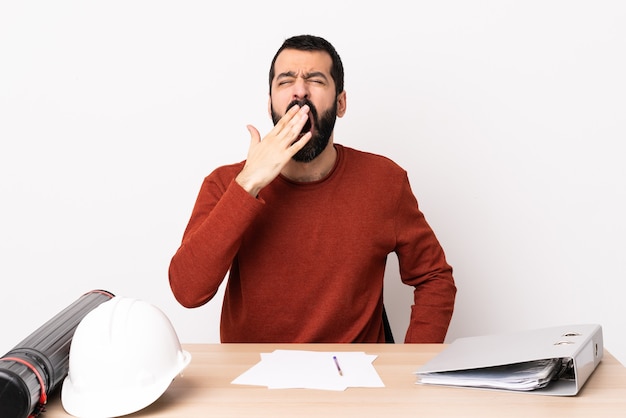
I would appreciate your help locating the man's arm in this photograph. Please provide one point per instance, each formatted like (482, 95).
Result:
(423, 265)
(211, 240)
(225, 207)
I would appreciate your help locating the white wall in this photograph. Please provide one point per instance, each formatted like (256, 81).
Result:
(509, 117)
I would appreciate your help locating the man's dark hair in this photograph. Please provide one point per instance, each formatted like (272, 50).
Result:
(313, 43)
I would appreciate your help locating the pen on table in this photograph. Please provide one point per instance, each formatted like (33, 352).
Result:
(338, 367)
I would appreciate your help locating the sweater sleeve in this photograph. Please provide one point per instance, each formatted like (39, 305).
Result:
(423, 265)
(212, 238)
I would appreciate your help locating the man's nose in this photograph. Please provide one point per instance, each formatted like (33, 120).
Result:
(300, 89)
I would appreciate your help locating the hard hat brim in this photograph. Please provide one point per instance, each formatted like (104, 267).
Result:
(115, 401)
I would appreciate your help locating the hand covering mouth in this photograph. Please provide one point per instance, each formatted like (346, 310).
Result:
(312, 113)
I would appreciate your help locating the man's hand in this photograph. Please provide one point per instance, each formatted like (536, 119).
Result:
(267, 157)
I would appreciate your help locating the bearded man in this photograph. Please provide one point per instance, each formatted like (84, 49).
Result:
(303, 226)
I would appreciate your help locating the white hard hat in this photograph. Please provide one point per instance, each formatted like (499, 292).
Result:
(123, 356)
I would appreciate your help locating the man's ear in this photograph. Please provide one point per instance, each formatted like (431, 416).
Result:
(269, 105)
(341, 104)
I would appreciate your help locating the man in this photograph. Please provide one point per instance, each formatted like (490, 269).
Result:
(303, 226)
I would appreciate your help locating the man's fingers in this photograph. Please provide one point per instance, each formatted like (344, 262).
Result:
(291, 123)
(255, 136)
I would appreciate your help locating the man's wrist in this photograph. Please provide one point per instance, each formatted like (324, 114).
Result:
(247, 185)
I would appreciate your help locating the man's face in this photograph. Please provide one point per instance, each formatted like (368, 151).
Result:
(303, 77)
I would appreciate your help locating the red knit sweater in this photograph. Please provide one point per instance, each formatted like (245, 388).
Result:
(307, 260)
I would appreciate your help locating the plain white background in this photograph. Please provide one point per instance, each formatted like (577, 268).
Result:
(508, 116)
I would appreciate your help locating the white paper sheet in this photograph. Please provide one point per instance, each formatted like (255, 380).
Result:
(283, 369)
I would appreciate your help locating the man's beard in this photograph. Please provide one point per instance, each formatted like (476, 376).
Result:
(324, 126)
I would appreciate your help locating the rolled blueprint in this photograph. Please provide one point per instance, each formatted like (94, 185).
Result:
(36, 366)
